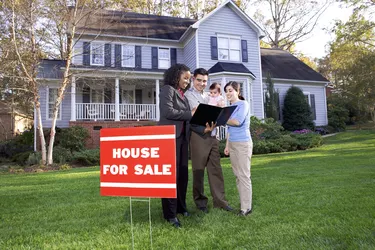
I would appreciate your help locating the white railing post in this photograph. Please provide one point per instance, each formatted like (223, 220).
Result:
(157, 100)
(117, 99)
(73, 100)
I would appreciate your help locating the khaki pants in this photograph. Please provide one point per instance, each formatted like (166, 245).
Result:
(240, 158)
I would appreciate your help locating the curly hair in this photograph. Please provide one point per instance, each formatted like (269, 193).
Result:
(173, 74)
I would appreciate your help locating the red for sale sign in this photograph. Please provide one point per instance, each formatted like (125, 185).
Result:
(138, 162)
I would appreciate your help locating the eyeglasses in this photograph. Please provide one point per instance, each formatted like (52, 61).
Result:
(200, 80)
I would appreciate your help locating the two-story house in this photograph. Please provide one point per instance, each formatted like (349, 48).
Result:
(120, 59)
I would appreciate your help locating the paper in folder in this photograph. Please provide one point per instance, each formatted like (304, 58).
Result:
(208, 113)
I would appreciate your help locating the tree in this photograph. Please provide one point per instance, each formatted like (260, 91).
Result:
(271, 100)
(296, 111)
(289, 21)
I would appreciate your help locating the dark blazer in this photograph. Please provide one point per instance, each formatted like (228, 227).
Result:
(174, 110)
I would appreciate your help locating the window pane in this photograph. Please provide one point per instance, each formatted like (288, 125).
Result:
(128, 56)
(222, 42)
(97, 51)
(164, 64)
(52, 96)
(235, 44)
(163, 53)
(235, 55)
(223, 54)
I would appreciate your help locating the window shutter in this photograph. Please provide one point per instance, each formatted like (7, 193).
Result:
(214, 48)
(86, 53)
(154, 57)
(244, 50)
(107, 55)
(86, 95)
(138, 56)
(120, 93)
(313, 110)
(118, 56)
(173, 56)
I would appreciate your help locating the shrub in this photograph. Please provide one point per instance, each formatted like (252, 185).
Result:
(265, 129)
(73, 138)
(296, 111)
(34, 158)
(21, 158)
(260, 147)
(307, 140)
(61, 155)
(88, 157)
(222, 147)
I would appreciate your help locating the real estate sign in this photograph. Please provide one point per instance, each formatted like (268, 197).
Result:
(138, 162)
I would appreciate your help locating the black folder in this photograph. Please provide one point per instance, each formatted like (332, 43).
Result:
(208, 113)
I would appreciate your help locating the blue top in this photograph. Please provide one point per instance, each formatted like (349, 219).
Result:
(240, 133)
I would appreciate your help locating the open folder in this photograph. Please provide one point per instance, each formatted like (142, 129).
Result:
(208, 113)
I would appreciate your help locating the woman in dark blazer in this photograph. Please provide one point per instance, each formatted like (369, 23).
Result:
(175, 110)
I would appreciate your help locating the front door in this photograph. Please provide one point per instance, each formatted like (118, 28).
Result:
(138, 96)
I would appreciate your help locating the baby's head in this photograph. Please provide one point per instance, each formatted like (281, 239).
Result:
(215, 89)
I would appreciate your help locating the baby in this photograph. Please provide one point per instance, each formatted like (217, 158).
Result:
(215, 98)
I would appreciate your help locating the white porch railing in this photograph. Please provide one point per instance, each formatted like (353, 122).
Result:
(106, 111)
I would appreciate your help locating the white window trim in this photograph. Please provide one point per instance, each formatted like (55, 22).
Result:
(169, 58)
(59, 115)
(98, 89)
(122, 54)
(91, 50)
(308, 96)
(229, 49)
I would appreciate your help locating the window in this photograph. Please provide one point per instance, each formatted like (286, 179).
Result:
(52, 96)
(128, 96)
(164, 58)
(229, 48)
(97, 95)
(307, 97)
(97, 54)
(128, 56)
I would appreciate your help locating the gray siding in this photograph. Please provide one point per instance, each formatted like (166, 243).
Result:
(223, 22)
(65, 108)
(78, 53)
(190, 54)
(180, 55)
(320, 99)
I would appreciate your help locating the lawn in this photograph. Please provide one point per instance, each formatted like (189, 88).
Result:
(322, 198)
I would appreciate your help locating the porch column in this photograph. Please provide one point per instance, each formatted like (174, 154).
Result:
(223, 82)
(73, 100)
(117, 99)
(157, 100)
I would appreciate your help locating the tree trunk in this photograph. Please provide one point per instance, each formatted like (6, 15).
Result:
(41, 134)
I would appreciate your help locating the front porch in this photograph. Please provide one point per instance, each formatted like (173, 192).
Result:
(114, 99)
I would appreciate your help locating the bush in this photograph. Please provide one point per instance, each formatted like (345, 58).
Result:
(89, 157)
(307, 140)
(296, 111)
(34, 159)
(222, 147)
(21, 158)
(61, 155)
(12, 147)
(265, 129)
(73, 138)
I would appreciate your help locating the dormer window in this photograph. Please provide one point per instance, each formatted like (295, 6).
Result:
(164, 58)
(229, 48)
(97, 54)
(128, 56)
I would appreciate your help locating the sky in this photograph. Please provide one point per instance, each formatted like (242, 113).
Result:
(315, 45)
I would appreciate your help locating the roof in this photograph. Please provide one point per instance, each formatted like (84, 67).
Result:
(283, 65)
(51, 69)
(130, 24)
(229, 67)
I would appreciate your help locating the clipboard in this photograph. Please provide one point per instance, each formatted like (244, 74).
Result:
(208, 113)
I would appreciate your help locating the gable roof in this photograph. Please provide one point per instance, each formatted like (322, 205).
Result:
(283, 65)
(230, 67)
(130, 24)
(239, 12)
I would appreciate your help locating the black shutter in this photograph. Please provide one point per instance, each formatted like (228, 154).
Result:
(107, 96)
(107, 55)
(244, 50)
(118, 56)
(138, 56)
(154, 57)
(120, 94)
(312, 106)
(86, 95)
(86, 53)
(214, 48)
(173, 56)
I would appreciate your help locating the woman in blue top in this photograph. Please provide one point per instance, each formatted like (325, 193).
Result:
(239, 145)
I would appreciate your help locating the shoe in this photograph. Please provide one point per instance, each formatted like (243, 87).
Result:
(185, 214)
(204, 210)
(174, 222)
(245, 213)
(227, 208)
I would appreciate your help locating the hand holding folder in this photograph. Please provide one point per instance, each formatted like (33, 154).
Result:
(207, 113)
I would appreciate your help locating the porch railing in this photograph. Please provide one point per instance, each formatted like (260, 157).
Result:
(107, 111)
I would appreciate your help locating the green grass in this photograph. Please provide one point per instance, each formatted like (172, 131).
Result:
(322, 198)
